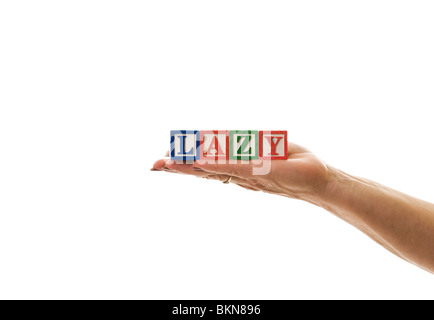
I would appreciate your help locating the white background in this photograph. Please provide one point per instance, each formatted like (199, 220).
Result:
(89, 91)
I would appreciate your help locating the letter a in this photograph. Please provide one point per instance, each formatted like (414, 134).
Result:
(214, 145)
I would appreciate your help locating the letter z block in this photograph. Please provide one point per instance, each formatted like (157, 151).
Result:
(184, 144)
(273, 145)
(243, 144)
(214, 144)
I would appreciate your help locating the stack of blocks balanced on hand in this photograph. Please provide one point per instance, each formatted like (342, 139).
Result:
(228, 145)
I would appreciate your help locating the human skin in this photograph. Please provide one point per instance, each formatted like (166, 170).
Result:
(400, 223)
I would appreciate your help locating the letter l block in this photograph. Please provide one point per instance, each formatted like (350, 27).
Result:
(184, 144)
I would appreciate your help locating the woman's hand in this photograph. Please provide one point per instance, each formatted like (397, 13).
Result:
(402, 224)
(301, 176)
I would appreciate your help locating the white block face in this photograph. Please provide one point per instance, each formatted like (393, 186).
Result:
(266, 146)
(190, 144)
(209, 145)
(250, 145)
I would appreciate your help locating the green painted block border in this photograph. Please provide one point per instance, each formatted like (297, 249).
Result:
(231, 141)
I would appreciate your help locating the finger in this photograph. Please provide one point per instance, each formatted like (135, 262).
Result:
(247, 187)
(225, 178)
(241, 169)
(163, 165)
(171, 166)
(186, 169)
(158, 165)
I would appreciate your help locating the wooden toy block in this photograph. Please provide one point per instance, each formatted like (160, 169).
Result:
(214, 144)
(184, 144)
(273, 145)
(243, 144)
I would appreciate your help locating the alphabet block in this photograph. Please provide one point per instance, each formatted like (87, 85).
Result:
(273, 145)
(231, 145)
(243, 144)
(214, 144)
(184, 144)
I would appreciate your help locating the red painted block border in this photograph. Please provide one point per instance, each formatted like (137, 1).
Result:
(226, 132)
(261, 141)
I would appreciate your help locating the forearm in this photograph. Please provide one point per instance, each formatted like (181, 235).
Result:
(401, 223)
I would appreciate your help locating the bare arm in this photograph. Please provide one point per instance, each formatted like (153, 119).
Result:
(402, 224)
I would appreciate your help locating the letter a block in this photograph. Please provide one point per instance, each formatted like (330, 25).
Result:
(184, 144)
(273, 145)
(214, 144)
(243, 144)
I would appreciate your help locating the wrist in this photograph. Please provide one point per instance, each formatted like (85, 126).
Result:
(329, 189)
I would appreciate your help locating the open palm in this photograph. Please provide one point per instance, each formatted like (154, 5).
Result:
(301, 175)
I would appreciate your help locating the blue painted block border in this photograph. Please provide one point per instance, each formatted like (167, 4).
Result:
(172, 145)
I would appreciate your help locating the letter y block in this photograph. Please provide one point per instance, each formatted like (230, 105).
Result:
(273, 145)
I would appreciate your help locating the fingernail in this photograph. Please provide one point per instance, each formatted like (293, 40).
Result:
(167, 169)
